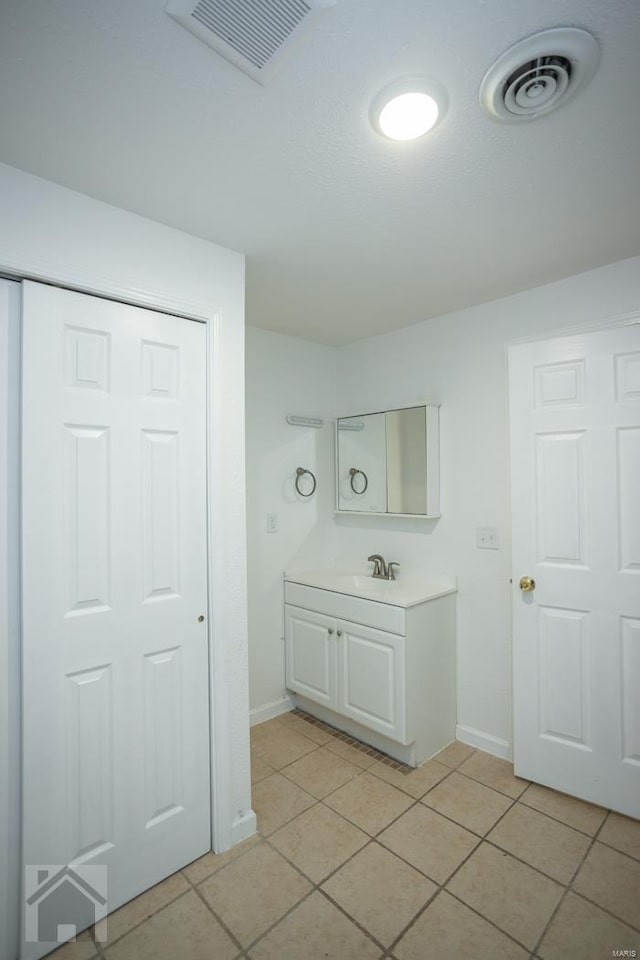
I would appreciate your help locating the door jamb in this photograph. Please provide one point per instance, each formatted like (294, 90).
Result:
(10, 722)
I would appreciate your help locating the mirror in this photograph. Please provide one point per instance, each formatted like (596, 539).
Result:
(387, 463)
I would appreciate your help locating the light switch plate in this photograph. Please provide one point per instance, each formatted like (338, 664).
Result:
(487, 538)
(272, 523)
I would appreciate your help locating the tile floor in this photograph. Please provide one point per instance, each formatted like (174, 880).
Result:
(359, 860)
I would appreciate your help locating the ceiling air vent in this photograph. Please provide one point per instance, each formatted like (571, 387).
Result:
(539, 74)
(254, 35)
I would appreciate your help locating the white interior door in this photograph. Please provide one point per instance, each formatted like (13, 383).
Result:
(575, 471)
(115, 653)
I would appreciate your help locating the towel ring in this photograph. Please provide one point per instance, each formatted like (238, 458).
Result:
(300, 472)
(353, 474)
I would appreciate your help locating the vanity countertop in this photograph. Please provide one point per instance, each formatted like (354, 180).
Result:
(406, 591)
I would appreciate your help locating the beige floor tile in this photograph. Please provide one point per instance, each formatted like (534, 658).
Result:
(131, 914)
(262, 731)
(613, 881)
(260, 768)
(467, 802)
(429, 842)
(379, 891)
(321, 772)
(184, 929)
(305, 729)
(549, 846)
(581, 931)
(315, 930)
(493, 772)
(318, 841)
(369, 803)
(512, 895)
(415, 783)
(454, 754)
(351, 753)
(277, 800)
(82, 948)
(449, 929)
(623, 833)
(254, 892)
(278, 745)
(576, 813)
(202, 868)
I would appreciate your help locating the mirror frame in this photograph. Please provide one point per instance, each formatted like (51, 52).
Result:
(432, 415)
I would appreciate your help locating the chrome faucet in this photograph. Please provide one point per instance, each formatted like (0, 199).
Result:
(381, 569)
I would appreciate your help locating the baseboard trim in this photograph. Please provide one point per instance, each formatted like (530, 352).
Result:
(270, 710)
(243, 827)
(484, 741)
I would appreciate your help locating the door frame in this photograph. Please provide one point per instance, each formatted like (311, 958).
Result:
(595, 326)
(229, 825)
(9, 618)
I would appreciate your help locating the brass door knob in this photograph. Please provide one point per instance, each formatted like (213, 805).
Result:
(527, 583)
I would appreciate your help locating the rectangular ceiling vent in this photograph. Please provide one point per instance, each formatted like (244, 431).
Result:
(254, 35)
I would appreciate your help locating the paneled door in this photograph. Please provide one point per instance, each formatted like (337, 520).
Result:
(575, 474)
(372, 678)
(116, 708)
(311, 655)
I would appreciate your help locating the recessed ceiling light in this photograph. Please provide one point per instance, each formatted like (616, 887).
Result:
(408, 109)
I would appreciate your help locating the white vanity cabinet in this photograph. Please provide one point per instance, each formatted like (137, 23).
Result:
(352, 669)
(383, 672)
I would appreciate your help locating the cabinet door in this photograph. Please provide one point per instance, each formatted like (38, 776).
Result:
(311, 655)
(371, 678)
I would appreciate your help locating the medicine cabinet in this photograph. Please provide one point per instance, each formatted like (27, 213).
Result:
(388, 462)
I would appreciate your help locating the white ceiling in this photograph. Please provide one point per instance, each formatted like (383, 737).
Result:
(346, 234)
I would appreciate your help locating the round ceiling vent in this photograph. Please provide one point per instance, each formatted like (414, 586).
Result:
(538, 74)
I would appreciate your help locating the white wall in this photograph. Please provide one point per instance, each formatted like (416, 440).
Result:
(284, 375)
(50, 233)
(460, 361)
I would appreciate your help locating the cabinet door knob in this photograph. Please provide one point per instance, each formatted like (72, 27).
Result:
(330, 630)
(339, 633)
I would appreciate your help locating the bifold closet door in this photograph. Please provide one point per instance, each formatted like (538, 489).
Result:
(115, 659)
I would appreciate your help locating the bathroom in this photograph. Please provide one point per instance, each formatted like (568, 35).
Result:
(325, 355)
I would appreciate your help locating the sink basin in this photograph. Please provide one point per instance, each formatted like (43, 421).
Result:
(355, 581)
(406, 591)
